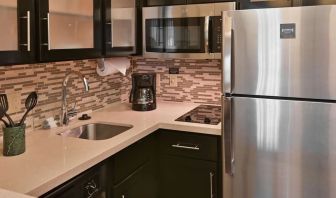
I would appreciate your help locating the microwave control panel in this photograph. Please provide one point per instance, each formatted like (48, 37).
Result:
(215, 34)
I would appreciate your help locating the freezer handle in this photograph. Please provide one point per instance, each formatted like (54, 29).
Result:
(227, 52)
(228, 136)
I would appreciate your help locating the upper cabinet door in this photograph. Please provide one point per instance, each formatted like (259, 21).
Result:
(69, 29)
(120, 27)
(164, 2)
(255, 4)
(17, 32)
(203, 1)
(315, 2)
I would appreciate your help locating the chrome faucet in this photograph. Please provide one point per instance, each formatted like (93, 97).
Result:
(65, 114)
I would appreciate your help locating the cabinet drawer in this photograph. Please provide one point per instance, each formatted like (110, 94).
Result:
(198, 146)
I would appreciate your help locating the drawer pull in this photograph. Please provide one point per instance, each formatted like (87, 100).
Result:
(186, 147)
(211, 185)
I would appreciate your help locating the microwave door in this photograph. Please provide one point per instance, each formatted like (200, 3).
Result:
(185, 35)
(155, 35)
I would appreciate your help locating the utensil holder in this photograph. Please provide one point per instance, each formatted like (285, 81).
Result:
(14, 142)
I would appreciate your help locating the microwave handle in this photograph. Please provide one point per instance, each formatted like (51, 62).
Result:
(206, 33)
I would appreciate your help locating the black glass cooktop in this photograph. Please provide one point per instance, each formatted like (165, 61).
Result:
(204, 114)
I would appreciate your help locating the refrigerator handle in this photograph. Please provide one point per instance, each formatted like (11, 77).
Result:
(227, 135)
(227, 52)
(206, 34)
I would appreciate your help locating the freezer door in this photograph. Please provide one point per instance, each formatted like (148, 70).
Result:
(287, 52)
(282, 149)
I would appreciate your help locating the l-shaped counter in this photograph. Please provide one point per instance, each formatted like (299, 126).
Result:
(51, 159)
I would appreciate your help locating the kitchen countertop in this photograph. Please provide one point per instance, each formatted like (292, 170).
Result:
(50, 159)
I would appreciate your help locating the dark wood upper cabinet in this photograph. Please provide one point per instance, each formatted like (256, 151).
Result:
(256, 4)
(17, 32)
(120, 19)
(69, 29)
(316, 2)
(164, 2)
(244, 4)
(200, 1)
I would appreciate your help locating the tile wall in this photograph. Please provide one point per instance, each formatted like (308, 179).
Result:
(47, 80)
(198, 81)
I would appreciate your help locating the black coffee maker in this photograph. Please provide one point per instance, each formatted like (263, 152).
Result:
(143, 93)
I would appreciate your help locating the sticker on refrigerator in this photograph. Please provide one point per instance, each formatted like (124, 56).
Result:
(287, 31)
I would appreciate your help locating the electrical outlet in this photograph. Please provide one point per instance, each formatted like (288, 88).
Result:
(173, 80)
(14, 102)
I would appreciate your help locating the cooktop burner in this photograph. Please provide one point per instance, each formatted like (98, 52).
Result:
(204, 114)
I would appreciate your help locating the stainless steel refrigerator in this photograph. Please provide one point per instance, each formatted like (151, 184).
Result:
(279, 103)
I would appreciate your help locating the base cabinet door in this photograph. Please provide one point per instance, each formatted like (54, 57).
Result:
(90, 184)
(141, 184)
(185, 177)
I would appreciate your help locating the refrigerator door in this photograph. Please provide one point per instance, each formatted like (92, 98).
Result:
(287, 52)
(282, 149)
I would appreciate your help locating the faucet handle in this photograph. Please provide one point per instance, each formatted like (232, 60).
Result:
(65, 119)
(72, 112)
(75, 105)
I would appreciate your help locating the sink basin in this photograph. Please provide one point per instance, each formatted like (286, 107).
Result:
(96, 131)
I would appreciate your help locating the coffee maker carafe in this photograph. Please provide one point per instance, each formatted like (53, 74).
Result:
(143, 93)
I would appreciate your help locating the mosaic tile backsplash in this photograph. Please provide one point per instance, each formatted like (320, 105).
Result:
(47, 80)
(198, 81)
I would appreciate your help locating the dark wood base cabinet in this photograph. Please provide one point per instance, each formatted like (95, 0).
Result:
(91, 184)
(141, 184)
(132, 172)
(183, 177)
(165, 164)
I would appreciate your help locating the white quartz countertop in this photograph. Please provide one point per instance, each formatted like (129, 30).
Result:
(50, 159)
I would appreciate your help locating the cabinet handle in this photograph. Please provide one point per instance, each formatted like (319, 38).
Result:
(91, 188)
(28, 30)
(186, 147)
(48, 29)
(211, 185)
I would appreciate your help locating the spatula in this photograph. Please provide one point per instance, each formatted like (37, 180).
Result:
(30, 104)
(4, 108)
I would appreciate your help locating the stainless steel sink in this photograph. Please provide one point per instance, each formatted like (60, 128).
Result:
(96, 131)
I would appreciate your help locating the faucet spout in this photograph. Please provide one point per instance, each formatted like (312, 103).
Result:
(64, 116)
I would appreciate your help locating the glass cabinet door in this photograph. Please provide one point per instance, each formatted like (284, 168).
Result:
(120, 26)
(9, 26)
(16, 31)
(70, 29)
(70, 24)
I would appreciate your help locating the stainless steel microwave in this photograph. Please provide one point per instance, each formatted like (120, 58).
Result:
(184, 31)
